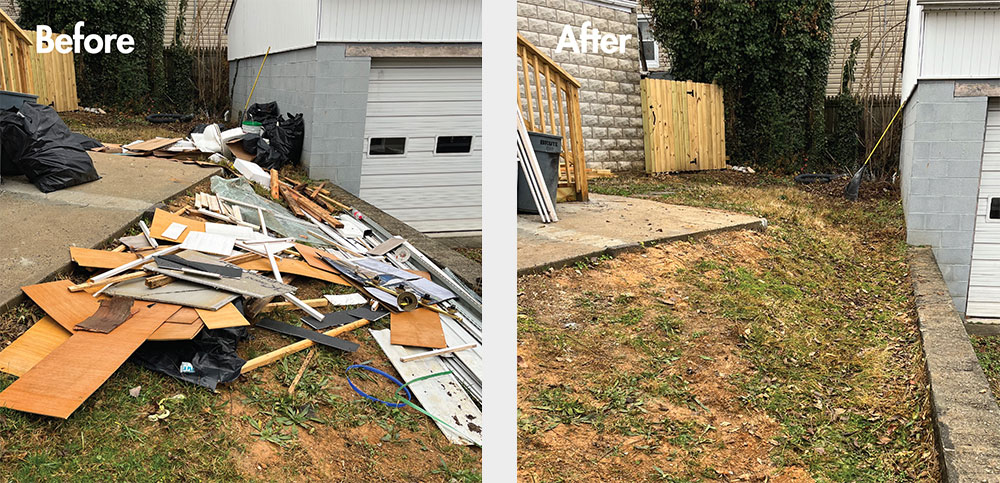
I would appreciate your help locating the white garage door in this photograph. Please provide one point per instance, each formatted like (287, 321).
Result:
(423, 143)
(984, 279)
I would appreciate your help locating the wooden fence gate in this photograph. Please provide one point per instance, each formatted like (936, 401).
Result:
(683, 124)
(50, 76)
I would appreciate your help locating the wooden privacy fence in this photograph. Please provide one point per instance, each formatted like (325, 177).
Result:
(683, 124)
(549, 100)
(50, 76)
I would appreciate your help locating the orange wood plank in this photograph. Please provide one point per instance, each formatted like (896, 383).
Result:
(311, 256)
(61, 382)
(163, 219)
(186, 315)
(177, 331)
(227, 316)
(65, 307)
(87, 257)
(419, 328)
(32, 346)
(295, 267)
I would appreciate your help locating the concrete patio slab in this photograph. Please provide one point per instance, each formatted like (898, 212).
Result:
(38, 228)
(612, 224)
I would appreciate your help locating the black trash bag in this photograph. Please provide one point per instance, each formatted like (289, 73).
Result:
(212, 353)
(285, 136)
(44, 149)
(263, 112)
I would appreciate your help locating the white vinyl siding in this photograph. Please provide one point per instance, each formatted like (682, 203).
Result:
(421, 99)
(256, 25)
(984, 279)
(400, 21)
(960, 44)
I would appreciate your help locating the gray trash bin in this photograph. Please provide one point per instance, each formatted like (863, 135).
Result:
(547, 148)
(10, 99)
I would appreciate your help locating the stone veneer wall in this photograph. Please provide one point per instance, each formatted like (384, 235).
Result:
(609, 93)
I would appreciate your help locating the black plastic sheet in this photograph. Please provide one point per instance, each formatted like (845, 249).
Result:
(39, 145)
(212, 353)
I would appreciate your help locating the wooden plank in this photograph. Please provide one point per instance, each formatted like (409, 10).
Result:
(418, 328)
(186, 315)
(311, 256)
(65, 307)
(274, 185)
(61, 382)
(97, 285)
(227, 316)
(174, 331)
(32, 346)
(152, 144)
(87, 257)
(301, 345)
(163, 219)
(295, 267)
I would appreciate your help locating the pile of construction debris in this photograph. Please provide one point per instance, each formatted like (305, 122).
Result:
(180, 296)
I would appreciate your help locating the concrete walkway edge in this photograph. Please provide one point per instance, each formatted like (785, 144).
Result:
(759, 225)
(965, 413)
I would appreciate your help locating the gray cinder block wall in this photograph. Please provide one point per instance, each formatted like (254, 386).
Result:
(940, 159)
(329, 89)
(609, 92)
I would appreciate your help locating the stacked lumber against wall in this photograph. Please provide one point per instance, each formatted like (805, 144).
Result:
(553, 106)
(684, 126)
(50, 76)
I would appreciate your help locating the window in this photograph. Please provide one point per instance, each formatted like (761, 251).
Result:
(994, 212)
(647, 46)
(387, 146)
(453, 144)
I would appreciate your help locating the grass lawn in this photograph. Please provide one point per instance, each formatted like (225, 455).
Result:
(251, 429)
(787, 355)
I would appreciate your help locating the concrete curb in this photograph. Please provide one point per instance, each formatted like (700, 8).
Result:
(614, 251)
(966, 415)
(12, 299)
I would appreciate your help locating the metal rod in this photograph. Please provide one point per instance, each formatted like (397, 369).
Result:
(142, 261)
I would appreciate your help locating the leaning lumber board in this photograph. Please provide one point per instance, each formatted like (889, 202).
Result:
(87, 257)
(296, 347)
(32, 346)
(61, 382)
(417, 328)
(227, 316)
(274, 184)
(65, 307)
(310, 206)
(294, 267)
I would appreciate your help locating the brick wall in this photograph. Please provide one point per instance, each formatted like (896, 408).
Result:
(329, 89)
(609, 92)
(940, 159)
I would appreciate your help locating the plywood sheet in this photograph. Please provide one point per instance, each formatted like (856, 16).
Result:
(175, 331)
(186, 315)
(311, 256)
(61, 382)
(163, 219)
(32, 346)
(86, 257)
(152, 144)
(227, 316)
(177, 292)
(294, 267)
(65, 307)
(417, 328)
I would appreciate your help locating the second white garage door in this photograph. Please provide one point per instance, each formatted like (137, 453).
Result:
(423, 143)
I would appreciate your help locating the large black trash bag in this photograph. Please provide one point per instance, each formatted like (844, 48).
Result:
(43, 148)
(212, 353)
(284, 136)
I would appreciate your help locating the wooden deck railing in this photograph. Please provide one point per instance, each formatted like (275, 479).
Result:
(50, 76)
(549, 100)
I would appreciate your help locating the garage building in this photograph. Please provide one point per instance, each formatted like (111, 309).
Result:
(391, 92)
